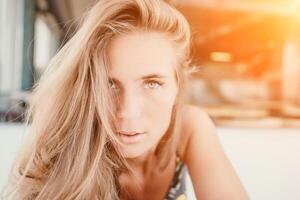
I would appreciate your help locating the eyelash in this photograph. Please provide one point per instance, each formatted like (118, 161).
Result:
(110, 83)
(147, 82)
(155, 82)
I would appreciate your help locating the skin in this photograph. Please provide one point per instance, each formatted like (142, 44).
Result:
(145, 104)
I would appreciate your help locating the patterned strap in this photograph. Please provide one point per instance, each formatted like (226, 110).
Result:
(177, 189)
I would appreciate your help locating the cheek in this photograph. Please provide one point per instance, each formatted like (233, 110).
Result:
(159, 109)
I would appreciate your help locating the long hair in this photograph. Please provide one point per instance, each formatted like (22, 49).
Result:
(71, 150)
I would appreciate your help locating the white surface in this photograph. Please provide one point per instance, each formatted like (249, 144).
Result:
(266, 160)
(11, 137)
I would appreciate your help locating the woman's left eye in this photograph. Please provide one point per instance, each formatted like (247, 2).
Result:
(153, 84)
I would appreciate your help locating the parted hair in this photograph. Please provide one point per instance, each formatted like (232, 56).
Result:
(71, 149)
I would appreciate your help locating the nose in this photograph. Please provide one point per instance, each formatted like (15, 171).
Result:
(129, 106)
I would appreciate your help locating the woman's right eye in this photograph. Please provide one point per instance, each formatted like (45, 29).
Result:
(112, 85)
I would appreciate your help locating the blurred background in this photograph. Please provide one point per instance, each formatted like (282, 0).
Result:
(248, 54)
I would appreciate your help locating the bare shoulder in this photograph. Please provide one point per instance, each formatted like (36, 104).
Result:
(191, 117)
(208, 165)
(194, 114)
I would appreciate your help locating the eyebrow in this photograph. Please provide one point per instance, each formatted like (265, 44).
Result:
(150, 76)
(153, 76)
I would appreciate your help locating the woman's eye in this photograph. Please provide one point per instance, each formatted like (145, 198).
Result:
(112, 85)
(153, 84)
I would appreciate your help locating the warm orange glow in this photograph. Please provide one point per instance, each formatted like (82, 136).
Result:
(220, 57)
(249, 52)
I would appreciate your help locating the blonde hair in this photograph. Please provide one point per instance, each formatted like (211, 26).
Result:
(72, 150)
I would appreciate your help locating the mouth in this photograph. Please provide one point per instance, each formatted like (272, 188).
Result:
(131, 137)
(131, 133)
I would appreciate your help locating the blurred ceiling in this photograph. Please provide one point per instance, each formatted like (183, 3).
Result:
(248, 30)
(68, 11)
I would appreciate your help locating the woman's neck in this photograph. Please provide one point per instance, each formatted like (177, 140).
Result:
(143, 164)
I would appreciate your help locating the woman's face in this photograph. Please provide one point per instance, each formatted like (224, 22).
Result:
(142, 75)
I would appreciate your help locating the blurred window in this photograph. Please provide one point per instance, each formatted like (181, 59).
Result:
(248, 53)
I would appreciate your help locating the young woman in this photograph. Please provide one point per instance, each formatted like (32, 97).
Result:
(109, 119)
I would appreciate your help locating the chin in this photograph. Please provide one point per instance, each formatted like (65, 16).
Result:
(131, 152)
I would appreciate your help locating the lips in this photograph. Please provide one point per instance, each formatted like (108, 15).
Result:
(129, 133)
(131, 137)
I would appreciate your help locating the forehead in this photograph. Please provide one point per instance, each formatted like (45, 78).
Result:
(141, 53)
